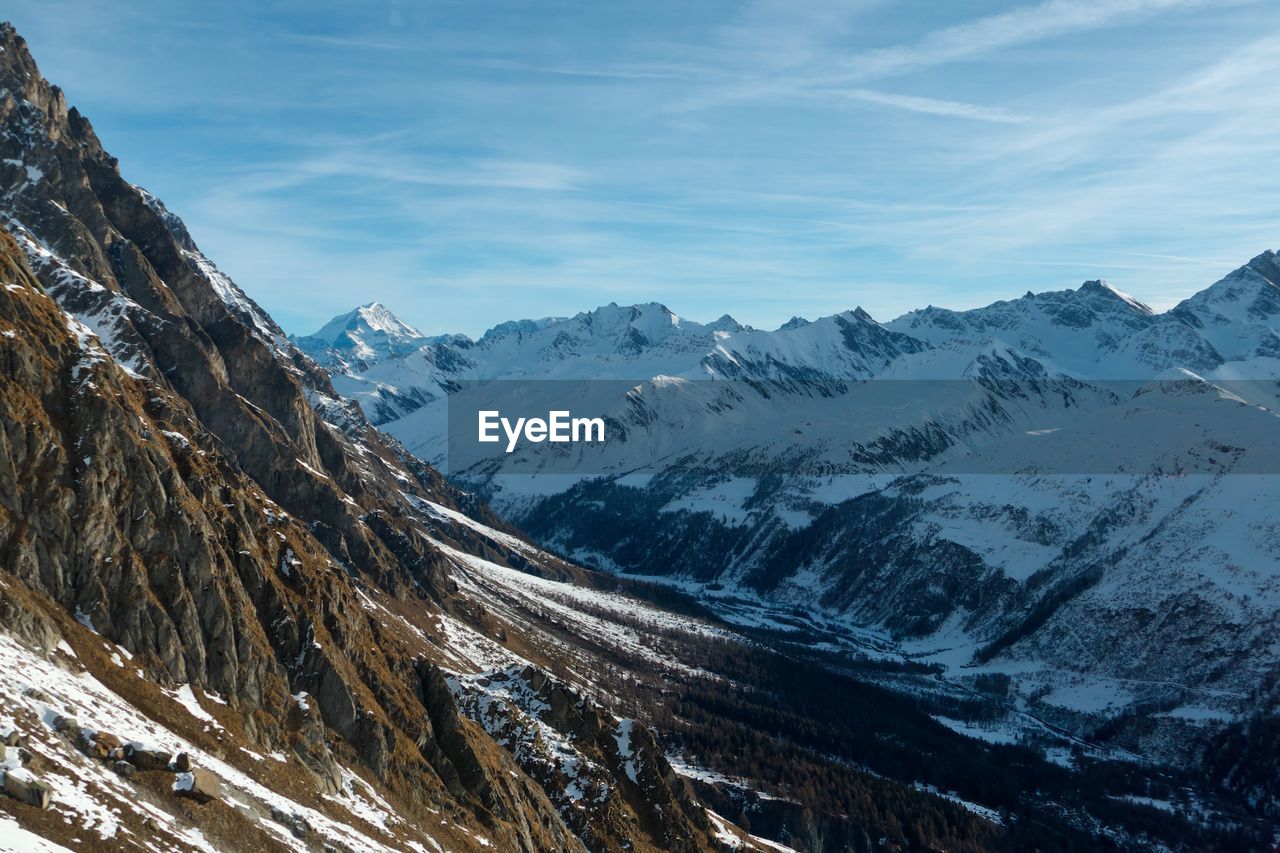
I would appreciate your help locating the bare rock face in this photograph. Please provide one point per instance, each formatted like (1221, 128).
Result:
(198, 784)
(307, 737)
(609, 778)
(30, 626)
(24, 787)
(144, 758)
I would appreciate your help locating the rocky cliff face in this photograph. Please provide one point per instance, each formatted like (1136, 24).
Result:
(181, 487)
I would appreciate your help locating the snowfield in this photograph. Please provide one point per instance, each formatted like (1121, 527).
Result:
(38, 691)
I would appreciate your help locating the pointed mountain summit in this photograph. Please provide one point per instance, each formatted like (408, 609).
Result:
(1103, 288)
(1240, 315)
(633, 328)
(362, 337)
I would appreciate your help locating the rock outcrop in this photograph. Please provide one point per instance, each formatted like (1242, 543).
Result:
(24, 787)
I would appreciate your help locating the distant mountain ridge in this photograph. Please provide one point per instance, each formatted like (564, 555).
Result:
(1093, 332)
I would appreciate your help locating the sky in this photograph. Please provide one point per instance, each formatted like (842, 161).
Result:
(467, 162)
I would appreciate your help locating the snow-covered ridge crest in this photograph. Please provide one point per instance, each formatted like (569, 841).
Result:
(1094, 331)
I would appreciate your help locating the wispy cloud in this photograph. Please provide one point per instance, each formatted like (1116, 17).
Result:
(817, 72)
(358, 43)
(368, 165)
(633, 71)
(935, 106)
(1182, 259)
(1023, 25)
(786, 33)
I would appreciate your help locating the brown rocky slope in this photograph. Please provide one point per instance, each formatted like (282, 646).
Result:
(181, 487)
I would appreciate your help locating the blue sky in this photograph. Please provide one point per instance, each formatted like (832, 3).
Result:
(467, 162)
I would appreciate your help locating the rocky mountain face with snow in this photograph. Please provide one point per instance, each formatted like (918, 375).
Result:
(229, 612)
(1067, 492)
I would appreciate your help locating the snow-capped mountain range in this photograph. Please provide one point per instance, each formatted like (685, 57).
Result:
(1074, 508)
(1227, 331)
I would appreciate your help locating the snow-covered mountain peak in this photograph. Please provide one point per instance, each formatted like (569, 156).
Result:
(1077, 330)
(1101, 287)
(518, 327)
(1088, 305)
(373, 317)
(609, 332)
(377, 317)
(366, 335)
(1239, 316)
(726, 323)
(653, 321)
(1249, 294)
